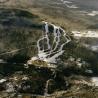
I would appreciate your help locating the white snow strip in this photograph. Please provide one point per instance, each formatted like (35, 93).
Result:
(67, 3)
(72, 6)
(54, 50)
(85, 34)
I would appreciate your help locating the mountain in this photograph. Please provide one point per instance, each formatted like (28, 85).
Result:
(73, 17)
(48, 48)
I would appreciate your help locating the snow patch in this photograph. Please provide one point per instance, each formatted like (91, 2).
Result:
(85, 34)
(94, 80)
(93, 13)
(69, 4)
(3, 80)
(53, 51)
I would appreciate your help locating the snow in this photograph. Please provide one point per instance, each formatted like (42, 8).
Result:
(15, 78)
(45, 56)
(9, 87)
(53, 58)
(67, 3)
(94, 80)
(93, 13)
(3, 80)
(71, 6)
(85, 34)
(54, 50)
(71, 58)
(89, 13)
(94, 48)
(26, 65)
(64, 1)
(89, 71)
(34, 58)
(25, 78)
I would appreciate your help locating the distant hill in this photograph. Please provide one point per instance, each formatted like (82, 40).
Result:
(50, 9)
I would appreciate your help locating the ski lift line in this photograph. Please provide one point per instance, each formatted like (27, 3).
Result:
(51, 53)
(13, 51)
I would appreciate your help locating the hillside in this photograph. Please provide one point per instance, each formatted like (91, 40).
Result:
(73, 18)
(41, 55)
